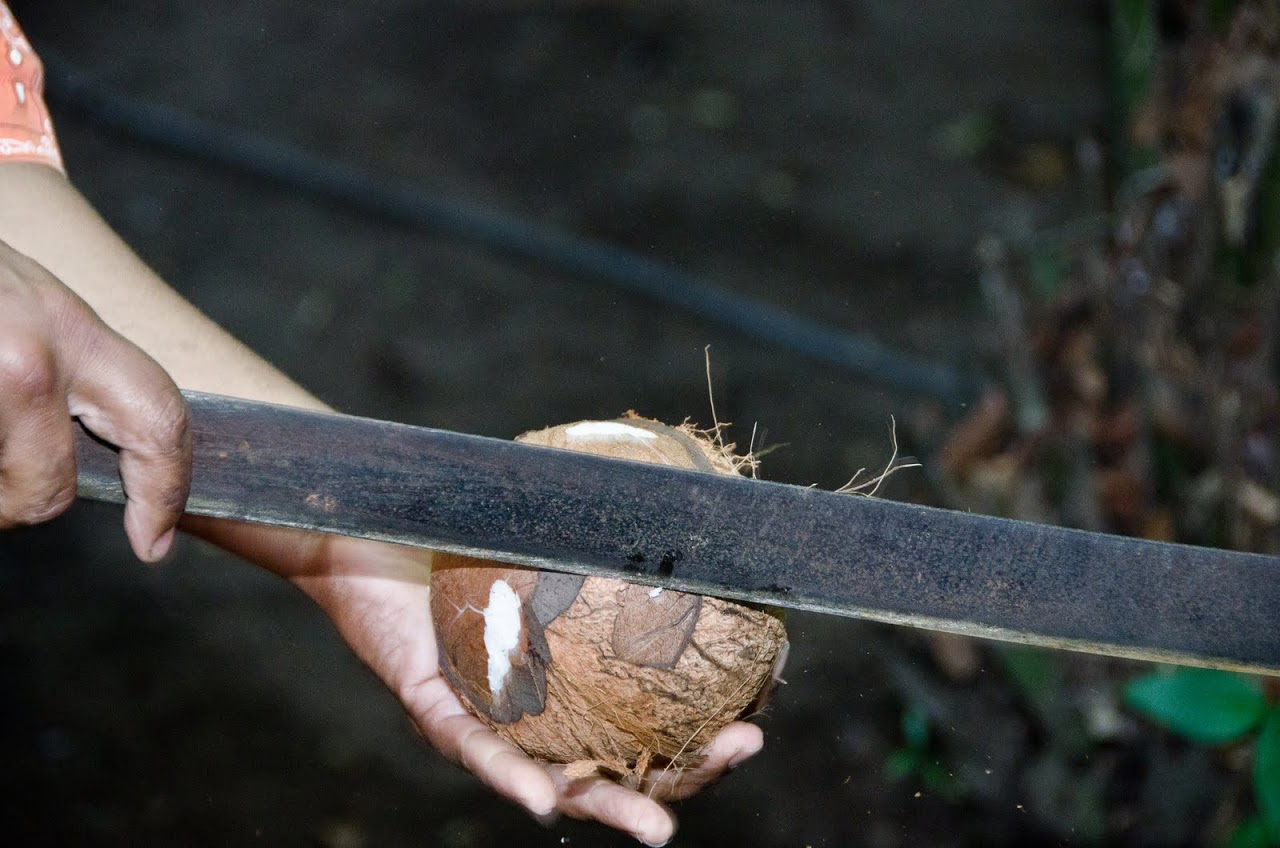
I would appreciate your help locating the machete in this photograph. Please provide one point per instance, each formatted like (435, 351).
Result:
(751, 540)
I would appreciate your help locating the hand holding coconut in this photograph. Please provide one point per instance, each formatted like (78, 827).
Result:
(606, 679)
(594, 698)
(378, 597)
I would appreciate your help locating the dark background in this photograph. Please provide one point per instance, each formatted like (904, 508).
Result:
(789, 151)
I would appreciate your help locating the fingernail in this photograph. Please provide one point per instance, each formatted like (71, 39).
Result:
(664, 824)
(741, 757)
(161, 545)
(545, 813)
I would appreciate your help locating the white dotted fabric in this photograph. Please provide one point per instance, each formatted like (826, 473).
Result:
(26, 132)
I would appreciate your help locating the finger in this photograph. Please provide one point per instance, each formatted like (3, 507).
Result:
(124, 397)
(731, 747)
(600, 799)
(37, 462)
(463, 739)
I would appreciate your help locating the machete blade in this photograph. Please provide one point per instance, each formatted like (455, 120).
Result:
(718, 535)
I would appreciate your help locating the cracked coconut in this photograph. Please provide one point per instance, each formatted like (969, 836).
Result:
(597, 673)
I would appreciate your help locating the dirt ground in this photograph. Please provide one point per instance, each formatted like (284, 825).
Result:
(787, 151)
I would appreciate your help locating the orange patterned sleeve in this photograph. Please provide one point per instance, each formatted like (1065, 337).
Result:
(26, 132)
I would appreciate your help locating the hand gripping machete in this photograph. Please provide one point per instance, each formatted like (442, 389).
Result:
(750, 540)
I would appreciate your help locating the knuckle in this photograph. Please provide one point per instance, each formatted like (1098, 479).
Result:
(168, 424)
(163, 451)
(26, 286)
(40, 509)
(28, 370)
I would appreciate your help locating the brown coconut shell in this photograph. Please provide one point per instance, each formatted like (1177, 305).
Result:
(606, 674)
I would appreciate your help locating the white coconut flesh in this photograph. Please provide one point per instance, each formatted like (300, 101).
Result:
(599, 436)
(501, 632)
(607, 430)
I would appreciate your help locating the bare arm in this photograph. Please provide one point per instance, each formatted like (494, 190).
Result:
(44, 217)
(376, 594)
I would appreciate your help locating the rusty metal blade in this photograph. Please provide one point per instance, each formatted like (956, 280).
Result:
(738, 538)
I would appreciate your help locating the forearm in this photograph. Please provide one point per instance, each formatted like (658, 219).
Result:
(64, 274)
(45, 217)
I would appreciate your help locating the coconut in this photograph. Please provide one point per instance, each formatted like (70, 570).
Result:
(598, 673)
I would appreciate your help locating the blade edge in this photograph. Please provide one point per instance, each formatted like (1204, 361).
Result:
(915, 565)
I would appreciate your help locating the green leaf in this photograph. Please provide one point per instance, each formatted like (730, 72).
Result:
(965, 137)
(1135, 55)
(902, 763)
(1033, 670)
(1250, 833)
(1266, 773)
(1203, 705)
(1219, 13)
(941, 782)
(1048, 272)
(915, 728)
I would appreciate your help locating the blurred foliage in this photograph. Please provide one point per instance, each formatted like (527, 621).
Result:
(966, 136)
(1206, 706)
(1039, 676)
(917, 759)
(1134, 58)
(1134, 368)
(1218, 13)
(1266, 773)
(1218, 708)
(1251, 833)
